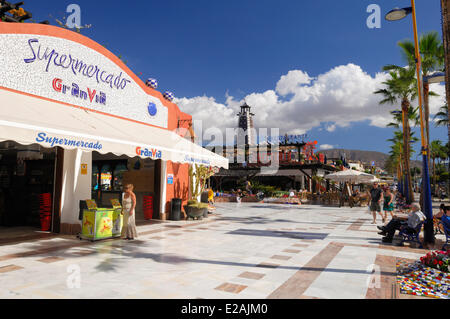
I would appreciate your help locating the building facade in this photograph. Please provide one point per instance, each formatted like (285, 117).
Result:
(77, 123)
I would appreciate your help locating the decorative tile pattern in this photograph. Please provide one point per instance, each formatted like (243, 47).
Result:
(291, 251)
(299, 282)
(232, 288)
(9, 268)
(281, 257)
(251, 275)
(49, 260)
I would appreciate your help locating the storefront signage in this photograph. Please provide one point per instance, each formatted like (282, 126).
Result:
(287, 139)
(71, 72)
(75, 91)
(55, 141)
(76, 65)
(152, 153)
(170, 179)
(193, 160)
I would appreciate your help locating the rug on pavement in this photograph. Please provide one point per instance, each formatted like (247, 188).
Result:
(419, 280)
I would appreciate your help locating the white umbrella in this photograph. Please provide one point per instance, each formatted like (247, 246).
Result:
(351, 176)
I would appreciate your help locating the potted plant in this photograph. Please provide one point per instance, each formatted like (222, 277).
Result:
(195, 210)
(197, 180)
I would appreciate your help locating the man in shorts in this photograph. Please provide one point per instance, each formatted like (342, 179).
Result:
(376, 198)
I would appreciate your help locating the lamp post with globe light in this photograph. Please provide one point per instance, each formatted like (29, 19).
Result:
(395, 15)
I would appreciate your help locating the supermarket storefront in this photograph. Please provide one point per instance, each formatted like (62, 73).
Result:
(77, 123)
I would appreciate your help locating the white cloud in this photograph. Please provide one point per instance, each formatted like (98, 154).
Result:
(339, 97)
(331, 128)
(324, 147)
(290, 83)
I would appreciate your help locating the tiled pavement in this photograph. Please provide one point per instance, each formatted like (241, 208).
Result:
(245, 251)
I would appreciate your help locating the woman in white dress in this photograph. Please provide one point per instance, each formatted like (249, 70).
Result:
(128, 205)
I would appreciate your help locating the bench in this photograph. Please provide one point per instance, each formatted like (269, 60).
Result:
(409, 236)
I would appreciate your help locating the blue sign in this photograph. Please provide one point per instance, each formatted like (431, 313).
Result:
(170, 179)
(152, 110)
(287, 139)
(53, 141)
(76, 65)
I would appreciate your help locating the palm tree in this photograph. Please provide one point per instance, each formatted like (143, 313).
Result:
(413, 117)
(401, 88)
(441, 118)
(437, 151)
(445, 9)
(432, 52)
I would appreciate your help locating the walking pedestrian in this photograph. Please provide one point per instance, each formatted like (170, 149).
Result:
(376, 196)
(128, 211)
(388, 205)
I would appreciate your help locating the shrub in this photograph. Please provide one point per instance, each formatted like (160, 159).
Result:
(437, 259)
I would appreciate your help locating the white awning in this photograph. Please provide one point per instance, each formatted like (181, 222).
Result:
(30, 120)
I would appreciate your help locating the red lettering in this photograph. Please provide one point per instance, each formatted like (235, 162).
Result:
(57, 85)
(91, 94)
(138, 150)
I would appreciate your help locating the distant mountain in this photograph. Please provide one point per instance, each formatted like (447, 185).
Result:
(367, 157)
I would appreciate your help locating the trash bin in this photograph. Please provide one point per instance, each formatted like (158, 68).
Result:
(175, 209)
(204, 197)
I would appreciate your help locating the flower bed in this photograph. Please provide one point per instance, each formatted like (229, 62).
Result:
(437, 259)
(420, 280)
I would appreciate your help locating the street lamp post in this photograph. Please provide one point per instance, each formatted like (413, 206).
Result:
(394, 15)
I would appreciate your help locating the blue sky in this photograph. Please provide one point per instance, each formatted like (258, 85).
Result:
(219, 48)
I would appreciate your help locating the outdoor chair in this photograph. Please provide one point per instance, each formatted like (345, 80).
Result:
(438, 226)
(447, 235)
(411, 236)
(364, 200)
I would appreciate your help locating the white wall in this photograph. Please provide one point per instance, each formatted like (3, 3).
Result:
(162, 202)
(76, 187)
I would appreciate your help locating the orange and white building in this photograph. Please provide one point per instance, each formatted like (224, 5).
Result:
(76, 122)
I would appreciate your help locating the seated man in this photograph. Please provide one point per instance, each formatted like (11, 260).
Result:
(414, 219)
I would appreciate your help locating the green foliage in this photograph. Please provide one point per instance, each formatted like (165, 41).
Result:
(268, 190)
(197, 179)
(196, 204)
(431, 49)
(441, 118)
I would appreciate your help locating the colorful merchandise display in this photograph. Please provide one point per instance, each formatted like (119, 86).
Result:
(419, 280)
(102, 223)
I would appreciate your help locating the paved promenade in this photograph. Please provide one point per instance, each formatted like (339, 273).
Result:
(248, 250)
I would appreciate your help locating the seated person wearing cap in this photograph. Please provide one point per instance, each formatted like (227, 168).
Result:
(414, 219)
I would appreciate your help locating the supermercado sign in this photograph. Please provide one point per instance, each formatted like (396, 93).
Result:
(72, 73)
(52, 141)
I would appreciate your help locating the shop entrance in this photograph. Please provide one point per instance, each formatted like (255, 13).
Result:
(26, 180)
(110, 173)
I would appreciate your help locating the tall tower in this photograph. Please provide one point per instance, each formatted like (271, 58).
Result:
(246, 124)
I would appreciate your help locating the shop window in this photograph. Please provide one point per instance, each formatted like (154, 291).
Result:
(95, 177)
(118, 176)
(106, 178)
